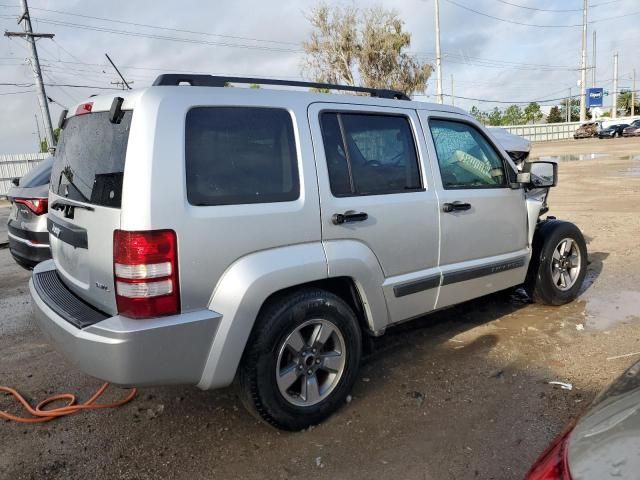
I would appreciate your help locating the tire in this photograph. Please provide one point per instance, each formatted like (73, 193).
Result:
(270, 351)
(547, 274)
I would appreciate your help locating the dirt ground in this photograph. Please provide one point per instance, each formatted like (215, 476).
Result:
(461, 394)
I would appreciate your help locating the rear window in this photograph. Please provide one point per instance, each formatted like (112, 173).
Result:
(89, 159)
(38, 175)
(239, 155)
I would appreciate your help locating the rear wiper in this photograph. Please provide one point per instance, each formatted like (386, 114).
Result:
(61, 204)
(69, 206)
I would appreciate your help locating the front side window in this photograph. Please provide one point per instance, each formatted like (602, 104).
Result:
(369, 154)
(239, 155)
(465, 157)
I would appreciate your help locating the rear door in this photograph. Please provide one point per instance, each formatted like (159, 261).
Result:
(483, 220)
(377, 197)
(84, 204)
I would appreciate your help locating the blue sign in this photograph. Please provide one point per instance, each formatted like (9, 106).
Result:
(594, 97)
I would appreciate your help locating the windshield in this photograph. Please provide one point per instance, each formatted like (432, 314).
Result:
(38, 175)
(89, 159)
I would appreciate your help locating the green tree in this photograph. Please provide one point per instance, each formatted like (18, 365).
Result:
(513, 115)
(555, 115)
(575, 109)
(624, 102)
(495, 117)
(44, 145)
(367, 47)
(479, 115)
(532, 113)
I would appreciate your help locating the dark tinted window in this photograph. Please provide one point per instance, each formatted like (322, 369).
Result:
(465, 157)
(89, 159)
(38, 175)
(240, 155)
(369, 154)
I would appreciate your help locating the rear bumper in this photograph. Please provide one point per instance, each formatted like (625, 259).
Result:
(27, 253)
(157, 351)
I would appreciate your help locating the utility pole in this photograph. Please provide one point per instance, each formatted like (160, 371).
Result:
(614, 110)
(439, 97)
(35, 116)
(453, 99)
(633, 95)
(118, 72)
(42, 97)
(569, 107)
(593, 62)
(583, 77)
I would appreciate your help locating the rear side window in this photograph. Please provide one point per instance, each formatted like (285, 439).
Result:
(369, 154)
(89, 159)
(239, 155)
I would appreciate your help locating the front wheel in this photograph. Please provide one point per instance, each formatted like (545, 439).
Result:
(302, 359)
(559, 264)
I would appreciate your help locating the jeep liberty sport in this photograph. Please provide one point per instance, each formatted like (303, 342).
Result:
(203, 234)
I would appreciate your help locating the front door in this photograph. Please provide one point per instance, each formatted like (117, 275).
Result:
(377, 200)
(483, 219)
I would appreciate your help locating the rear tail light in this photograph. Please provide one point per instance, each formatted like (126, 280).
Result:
(145, 267)
(37, 205)
(552, 464)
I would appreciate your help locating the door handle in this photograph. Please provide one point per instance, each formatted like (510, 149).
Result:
(348, 217)
(456, 207)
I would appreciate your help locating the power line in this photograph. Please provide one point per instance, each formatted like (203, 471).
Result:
(17, 93)
(25, 85)
(509, 21)
(161, 37)
(552, 10)
(538, 25)
(159, 27)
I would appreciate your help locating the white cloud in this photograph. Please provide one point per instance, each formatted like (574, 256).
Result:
(465, 36)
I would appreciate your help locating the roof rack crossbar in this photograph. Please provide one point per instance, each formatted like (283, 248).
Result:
(218, 81)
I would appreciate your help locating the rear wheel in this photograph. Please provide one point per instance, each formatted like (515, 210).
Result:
(301, 360)
(559, 264)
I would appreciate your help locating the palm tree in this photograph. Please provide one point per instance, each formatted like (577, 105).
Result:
(624, 102)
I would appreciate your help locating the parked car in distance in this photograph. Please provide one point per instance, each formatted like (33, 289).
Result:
(612, 131)
(603, 444)
(632, 130)
(27, 225)
(587, 130)
(203, 234)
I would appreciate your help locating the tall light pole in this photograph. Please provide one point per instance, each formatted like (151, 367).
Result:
(633, 95)
(439, 97)
(42, 96)
(614, 110)
(453, 98)
(593, 62)
(583, 78)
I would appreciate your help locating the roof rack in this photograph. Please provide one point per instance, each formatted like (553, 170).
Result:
(216, 81)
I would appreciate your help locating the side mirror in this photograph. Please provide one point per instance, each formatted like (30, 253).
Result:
(539, 174)
(15, 181)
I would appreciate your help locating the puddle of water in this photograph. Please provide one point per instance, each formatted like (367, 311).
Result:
(605, 311)
(632, 172)
(572, 157)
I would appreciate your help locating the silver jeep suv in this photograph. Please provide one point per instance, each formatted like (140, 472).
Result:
(202, 234)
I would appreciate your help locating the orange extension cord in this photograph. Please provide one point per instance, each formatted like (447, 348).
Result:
(39, 415)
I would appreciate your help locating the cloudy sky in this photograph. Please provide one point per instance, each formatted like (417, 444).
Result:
(489, 58)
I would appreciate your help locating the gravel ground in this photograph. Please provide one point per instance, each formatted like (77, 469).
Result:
(459, 394)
